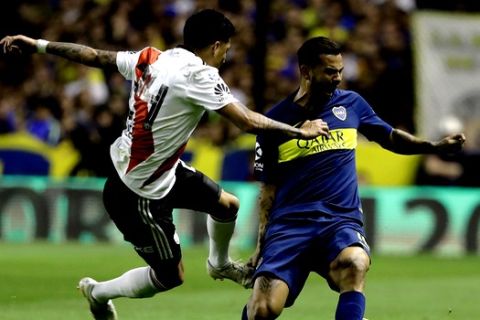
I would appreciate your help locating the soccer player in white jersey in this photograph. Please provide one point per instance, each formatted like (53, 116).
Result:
(170, 92)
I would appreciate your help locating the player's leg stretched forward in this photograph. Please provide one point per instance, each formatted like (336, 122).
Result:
(148, 225)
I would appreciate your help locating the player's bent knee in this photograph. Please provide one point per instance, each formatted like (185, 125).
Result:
(264, 310)
(347, 271)
(172, 282)
(268, 303)
(227, 208)
(165, 280)
(357, 267)
(169, 283)
(360, 262)
(353, 258)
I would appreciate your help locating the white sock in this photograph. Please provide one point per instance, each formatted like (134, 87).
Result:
(220, 234)
(135, 283)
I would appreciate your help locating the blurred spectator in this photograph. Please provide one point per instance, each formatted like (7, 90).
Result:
(8, 114)
(42, 120)
(451, 170)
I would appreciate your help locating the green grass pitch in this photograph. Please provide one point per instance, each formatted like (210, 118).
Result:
(38, 281)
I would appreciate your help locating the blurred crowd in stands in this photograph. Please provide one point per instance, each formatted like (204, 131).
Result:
(56, 100)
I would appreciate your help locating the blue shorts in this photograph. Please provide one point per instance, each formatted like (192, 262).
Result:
(294, 248)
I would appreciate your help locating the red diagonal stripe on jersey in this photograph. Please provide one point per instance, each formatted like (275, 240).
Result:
(147, 57)
(166, 165)
(142, 140)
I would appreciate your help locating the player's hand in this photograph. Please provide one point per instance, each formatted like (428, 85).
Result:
(17, 45)
(450, 144)
(313, 128)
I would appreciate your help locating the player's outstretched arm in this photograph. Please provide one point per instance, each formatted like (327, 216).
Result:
(405, 143)
(254, 122)
(20, 44)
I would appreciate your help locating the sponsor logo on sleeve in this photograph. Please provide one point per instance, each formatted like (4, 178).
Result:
(221, 90)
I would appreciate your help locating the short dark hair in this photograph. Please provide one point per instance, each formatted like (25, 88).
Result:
(205, 27)
(310, 51)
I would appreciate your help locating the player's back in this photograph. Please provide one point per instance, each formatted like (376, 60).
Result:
(170, 92)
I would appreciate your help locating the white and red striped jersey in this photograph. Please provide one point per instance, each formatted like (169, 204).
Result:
(170, 92)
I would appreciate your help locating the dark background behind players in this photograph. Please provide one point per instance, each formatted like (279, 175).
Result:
(87, 107)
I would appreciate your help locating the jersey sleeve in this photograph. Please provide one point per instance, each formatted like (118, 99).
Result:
(130, 63)
(126, 62)
(207, 88)
(371, 125)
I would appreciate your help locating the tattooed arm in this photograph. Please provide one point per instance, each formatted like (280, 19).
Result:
(405, 143)
(254, 122)
(20, 44)
(267, 195)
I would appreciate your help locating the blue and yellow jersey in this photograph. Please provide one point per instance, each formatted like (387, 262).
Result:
(318, 175)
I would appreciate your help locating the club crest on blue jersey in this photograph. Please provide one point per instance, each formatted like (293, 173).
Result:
(340, 112)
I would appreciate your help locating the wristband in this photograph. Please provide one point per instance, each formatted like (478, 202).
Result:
(42, 46)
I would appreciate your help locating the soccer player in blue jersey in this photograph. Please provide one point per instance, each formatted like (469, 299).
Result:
(310, 211)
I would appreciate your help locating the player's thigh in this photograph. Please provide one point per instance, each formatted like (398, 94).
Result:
(122, 205)
(348, 248)
(342, 252)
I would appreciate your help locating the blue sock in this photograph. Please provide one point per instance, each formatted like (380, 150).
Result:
(351, 306)
(244, 313)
